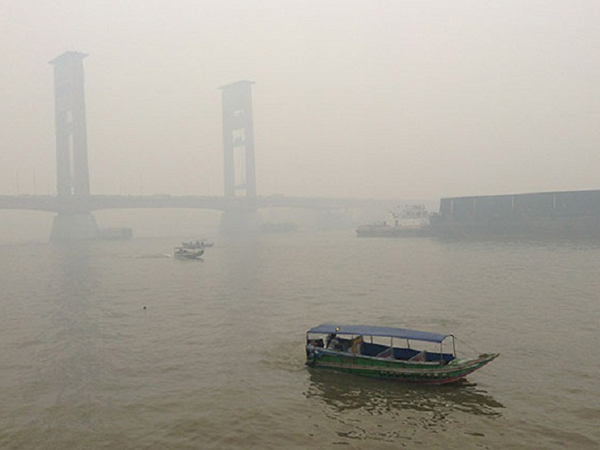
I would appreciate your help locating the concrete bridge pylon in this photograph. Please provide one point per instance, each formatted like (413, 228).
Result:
(72, 169)
(239, 169)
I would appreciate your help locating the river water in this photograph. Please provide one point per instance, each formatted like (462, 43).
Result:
(118, 345)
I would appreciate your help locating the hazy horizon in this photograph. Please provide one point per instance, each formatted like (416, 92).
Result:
(352, 99)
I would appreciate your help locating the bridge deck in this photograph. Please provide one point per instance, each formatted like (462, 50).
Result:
(100, 202)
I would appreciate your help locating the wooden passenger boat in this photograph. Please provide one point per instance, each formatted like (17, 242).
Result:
(376, 352)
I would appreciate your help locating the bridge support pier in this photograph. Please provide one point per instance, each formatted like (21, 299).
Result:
(74, 226)
(240, 221)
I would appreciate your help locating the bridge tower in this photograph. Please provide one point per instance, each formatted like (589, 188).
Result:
(72, 171)
(238, 139)
(238, 156)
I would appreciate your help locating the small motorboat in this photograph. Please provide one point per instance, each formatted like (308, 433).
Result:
(188, 253)
(373, 351)
(195, 245)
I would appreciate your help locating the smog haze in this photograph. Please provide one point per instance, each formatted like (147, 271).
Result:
(411, 99)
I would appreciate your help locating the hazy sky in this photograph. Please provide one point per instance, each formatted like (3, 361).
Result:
(400, 99)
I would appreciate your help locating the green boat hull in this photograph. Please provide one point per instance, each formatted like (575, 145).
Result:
(389, 368)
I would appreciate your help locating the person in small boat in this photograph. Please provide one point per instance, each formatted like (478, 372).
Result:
(316, 343)
(333, 343)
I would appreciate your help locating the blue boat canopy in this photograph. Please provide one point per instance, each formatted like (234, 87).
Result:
(368, 330)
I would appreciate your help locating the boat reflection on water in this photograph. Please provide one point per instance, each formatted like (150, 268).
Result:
(345, 393)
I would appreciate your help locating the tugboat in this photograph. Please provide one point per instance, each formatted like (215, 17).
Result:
(413, 220)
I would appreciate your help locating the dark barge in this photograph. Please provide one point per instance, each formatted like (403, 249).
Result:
(544, 214)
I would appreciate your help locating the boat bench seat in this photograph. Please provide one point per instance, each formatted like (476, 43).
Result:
(419, 357)
(369, 349)
(432, 357)
(447, 357)
(405, 354)
(387, 353)
(383, 351)
(408, 354)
